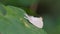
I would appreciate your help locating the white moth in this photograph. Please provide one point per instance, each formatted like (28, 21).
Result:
(38, 22)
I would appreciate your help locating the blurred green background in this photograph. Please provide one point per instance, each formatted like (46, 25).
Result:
(51, 20)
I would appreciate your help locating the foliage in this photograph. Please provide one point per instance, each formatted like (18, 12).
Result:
(12, 22)
(13, 14)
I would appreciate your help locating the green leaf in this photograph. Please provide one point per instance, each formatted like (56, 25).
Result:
(13, 22)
